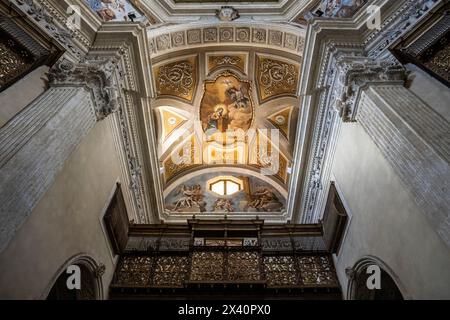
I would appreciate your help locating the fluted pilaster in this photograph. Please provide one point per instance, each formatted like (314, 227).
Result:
(34, 147)
(416, 142)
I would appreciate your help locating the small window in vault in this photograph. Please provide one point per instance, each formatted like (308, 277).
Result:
(225, 186)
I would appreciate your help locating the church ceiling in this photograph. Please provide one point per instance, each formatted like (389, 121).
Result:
(231, 114)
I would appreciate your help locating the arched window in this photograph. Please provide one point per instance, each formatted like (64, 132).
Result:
(225, 185)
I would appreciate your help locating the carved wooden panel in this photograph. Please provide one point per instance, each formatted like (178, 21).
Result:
(14, 60)
(133, 271)
(244, 266)
(429, 45)
(280, 271)
(171, 270)
(22, 49)
(222, 266)
(317, 270)
(207, 266)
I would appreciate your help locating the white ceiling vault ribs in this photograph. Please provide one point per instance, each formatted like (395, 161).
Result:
(172, 12)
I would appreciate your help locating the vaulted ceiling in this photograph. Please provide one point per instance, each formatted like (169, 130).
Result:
(226, 130)
(226, 106)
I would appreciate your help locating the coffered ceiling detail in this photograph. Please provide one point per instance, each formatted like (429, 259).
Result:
(287, 38)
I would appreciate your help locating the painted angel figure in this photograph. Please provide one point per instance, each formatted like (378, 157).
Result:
(187, 200)
(262, 197)
(223, 205)
(238, 97)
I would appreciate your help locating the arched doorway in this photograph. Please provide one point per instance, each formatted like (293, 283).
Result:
(91, 288)
(358, 289)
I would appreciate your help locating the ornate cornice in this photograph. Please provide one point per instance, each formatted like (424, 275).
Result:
(355, 74)
(400, 22)
(45, 19)
(97, 76)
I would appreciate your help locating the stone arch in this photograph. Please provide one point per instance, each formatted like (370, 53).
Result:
(91, 280)
(391, 286)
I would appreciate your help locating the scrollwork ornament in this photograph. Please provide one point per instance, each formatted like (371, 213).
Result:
(96, 75)
(277, 77)
(176, 79)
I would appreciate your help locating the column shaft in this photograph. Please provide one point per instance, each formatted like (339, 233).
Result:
(33, 148)
(416, 142)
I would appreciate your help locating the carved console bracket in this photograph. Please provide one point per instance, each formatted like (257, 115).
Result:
(96, 76)
(356, 74)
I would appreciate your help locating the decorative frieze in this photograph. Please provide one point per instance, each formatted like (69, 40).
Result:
(275, 38)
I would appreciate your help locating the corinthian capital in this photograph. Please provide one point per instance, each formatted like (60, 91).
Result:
(356, 73)
(98, 76)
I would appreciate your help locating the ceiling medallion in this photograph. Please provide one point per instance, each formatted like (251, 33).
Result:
(227, 13)
(280, 120)
(172, 121)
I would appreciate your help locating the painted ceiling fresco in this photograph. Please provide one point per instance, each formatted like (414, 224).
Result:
(195, 196)
(226, 105)
(218, 110)
(114, 10)
(341, 8)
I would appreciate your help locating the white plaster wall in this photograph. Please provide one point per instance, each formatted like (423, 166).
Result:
(22, 93)
(385, 221)
(66, 222)
(430, 90)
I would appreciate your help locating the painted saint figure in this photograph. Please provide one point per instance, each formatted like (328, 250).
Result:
(213, 119)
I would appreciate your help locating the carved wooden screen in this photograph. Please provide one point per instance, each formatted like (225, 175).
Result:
(335, 220)
(22, 49)
(116, 222)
